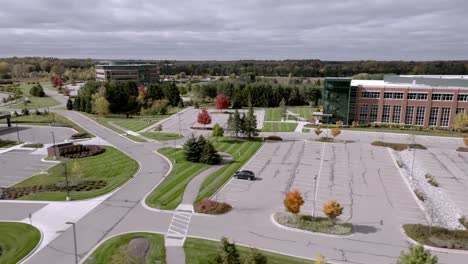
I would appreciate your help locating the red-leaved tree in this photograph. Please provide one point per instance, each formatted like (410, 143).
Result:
(141, 89)
(221, 102)
(204, 117)
(57, 82)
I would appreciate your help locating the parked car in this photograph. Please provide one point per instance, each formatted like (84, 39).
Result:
(245, 174)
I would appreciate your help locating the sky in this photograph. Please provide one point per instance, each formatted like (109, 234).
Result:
(236, 29)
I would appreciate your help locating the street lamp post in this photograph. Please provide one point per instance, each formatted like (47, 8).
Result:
(66, 181)
(17, 130)
(74, 240)
(55, 147)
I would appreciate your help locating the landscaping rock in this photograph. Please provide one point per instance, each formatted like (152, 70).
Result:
(437, 204)
(137, 248)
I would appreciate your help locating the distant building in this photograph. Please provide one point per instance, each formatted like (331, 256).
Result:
(141, 73)
(422, 100)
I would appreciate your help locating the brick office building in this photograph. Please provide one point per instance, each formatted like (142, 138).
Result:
(408, 99)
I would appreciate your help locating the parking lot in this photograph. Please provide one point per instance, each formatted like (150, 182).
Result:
(35, 134)
(18, 165)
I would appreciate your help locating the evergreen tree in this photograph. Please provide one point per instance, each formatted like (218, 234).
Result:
(235, 123)
(209, 155)
(417, 255)
(249, 124)
(255, 257)
(218, 131)
(191, 150)
(69, 104)
(228, 253)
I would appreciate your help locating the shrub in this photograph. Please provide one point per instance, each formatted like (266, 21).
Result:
(37, 91)
(33, 145)
(431, 180)
(218, 131)
(437, 236)
(462, 149)
(80, 135)
(212, 207)
(417, 254)
(332, 210)
(293, 202)
(421, 196)
(277, 138)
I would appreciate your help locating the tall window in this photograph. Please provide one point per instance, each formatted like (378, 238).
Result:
(373, 113)
(433, 116)
(460, 110)
(409, 115)
(445, 117)
(420, 115)
(396, 114)
(363, 113)
(386, 114)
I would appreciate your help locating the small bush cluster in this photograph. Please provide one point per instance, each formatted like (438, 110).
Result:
(277, 138)
(437, 236)
(37, 91)
(431, 180)
(80, 151)
(212, 207)
(421, 196)
(462, 149)
(313, 224)
(397, 146)
(201, 150)
(76, 186)
(80, 135)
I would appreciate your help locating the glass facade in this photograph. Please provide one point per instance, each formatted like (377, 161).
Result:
(373, 113)
(445, 117)
(337, 99)
(386, 114)
(363, 113)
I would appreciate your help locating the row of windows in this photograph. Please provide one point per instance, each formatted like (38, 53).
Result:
(442, 97)
(463, 97)
(391, 95)
(373, 95)
(413, 113)
(417, 96)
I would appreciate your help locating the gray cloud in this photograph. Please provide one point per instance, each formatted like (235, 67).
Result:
(243, 29)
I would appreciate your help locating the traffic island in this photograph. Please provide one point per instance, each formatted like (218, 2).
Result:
(437, 236)
(312, 224)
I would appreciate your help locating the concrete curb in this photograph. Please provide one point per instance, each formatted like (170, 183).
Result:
(272, 219)
(143, 201)
(37, 245)
(436, 249)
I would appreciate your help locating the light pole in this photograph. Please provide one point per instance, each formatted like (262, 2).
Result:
(17, 130)
(66, 181)
(74, 239)
(180, 134)
(55, 147)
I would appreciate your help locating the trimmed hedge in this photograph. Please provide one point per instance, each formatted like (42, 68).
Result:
(212, 207)
(80, 135)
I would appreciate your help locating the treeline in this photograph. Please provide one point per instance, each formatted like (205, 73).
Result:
(313, 68)
(261, 93)
(127, 97)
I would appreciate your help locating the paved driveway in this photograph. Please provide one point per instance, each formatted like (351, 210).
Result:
(18, 165)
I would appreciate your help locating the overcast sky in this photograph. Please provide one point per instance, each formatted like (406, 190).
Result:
(236, 29)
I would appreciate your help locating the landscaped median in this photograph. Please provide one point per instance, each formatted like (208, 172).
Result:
(161, 136)
(313, 224)
(87, 177)
(168, 195)
(17, 240)
(130, 248)
(437, 236)
(397, 146)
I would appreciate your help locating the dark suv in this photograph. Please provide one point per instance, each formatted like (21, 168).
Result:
(245, 174)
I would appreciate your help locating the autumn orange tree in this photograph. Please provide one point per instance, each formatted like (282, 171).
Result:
(339, 123)
(293, 202)
(335, 132)
(465, 140)
(332, 210)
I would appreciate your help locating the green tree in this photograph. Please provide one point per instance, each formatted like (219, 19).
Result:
(101, 106)
(235, 123)
(69, 104)
(218, 131)
(191, 149)
(255, 257)
(283, 108)
(171, 93)
(209, 155)
(249, 124)
(461, 121)
(228, 253)
(417, 255)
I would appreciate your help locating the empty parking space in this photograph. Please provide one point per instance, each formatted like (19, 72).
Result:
(18, 165)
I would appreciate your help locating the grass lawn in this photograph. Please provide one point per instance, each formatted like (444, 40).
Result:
(36, 102)
(161, 136)
(105, 122)
(241, 151)
(273, 114)
(437, 236)
(204, 251)
(16, 241)
(7, 143)
(136, 124)
(168, 195)
(278, 127)
(114, 250)
(44, 120)
(303, 111)
(112, 166)
(313, 224)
